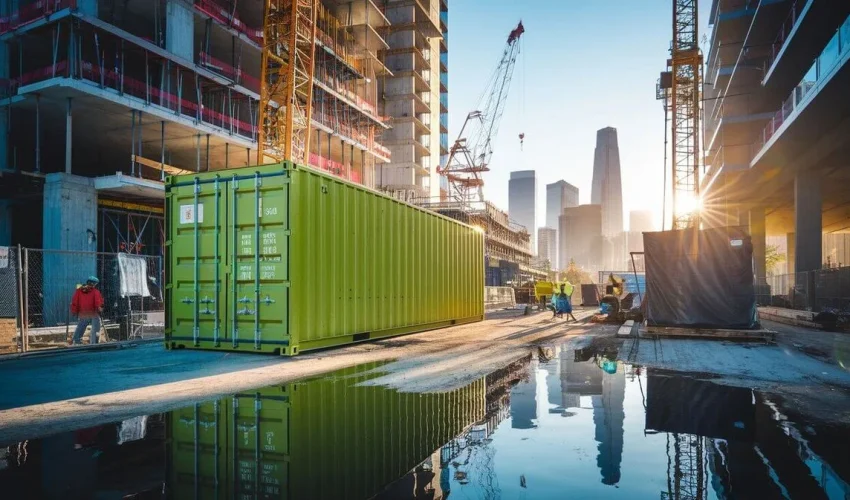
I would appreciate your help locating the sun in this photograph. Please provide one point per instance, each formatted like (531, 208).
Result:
(687, 204)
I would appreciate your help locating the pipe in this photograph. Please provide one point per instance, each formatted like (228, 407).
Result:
(37, 133)
(68, 137)
(162, 163)
(132, 143)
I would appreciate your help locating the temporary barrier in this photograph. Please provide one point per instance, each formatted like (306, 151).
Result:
(284, 258)
(286, 441)
(499, 297)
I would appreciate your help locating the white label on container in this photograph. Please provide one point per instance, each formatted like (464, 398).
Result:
(187, 214)
(737, 243)
(4, 257)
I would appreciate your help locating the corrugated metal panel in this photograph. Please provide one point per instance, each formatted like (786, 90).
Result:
(321, 438)
(279, 258)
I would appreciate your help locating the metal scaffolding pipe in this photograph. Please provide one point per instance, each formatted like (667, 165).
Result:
(68, 138)
(162, 152)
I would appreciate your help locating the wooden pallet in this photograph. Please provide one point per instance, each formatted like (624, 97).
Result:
(707, 333)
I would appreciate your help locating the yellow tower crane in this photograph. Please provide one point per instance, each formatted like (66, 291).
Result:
(681, 89)
(286, 94)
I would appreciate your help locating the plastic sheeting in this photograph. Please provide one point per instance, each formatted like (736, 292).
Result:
(700, 284)
(134, 275)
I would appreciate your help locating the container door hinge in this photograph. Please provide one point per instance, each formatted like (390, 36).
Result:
(245, 300)
(268, 300)
(187, 300)
(207, 300)
(288, 232)
(207, 311)
(245, 312)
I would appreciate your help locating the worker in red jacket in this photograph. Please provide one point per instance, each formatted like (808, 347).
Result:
(87, 305)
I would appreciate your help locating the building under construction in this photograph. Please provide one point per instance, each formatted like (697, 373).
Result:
(507, 244)
(101, 99)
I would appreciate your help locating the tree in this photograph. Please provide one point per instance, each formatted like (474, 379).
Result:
(772, 258)
(576, 275)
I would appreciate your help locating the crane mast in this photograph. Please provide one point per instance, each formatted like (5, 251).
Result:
(286, 94)
(471, 152)
(685, 97)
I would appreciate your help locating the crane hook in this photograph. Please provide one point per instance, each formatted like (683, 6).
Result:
(521, 139)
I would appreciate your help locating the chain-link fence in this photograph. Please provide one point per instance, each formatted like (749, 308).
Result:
(10, 299)
(47, 279)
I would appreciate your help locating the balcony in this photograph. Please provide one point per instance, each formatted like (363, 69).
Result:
(822, 93)
(809, 26)
(424, 19)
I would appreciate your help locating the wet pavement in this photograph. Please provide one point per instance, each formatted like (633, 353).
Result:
(560, 422)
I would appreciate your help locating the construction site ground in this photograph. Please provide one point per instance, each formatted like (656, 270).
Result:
(47, 394)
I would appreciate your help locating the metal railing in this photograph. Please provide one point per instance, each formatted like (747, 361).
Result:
(36, 287)
(821, 290)
(822, 66)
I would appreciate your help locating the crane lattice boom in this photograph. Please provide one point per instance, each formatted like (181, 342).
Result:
(286, 96)
(470, 155)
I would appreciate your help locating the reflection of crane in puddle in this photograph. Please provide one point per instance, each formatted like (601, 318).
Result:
(686, 465)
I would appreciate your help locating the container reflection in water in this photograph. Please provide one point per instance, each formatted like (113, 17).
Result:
(320, 438)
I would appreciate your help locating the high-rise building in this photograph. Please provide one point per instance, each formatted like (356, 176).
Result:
(559, 195)
(580, 231)
(522, 202)
(414, 90)
(607, 188)
(547, 245)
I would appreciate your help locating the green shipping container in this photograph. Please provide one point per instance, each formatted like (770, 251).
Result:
(282, 258)
(326, 437)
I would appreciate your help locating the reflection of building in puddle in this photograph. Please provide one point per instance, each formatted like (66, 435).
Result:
(608, 417)
(524, 400)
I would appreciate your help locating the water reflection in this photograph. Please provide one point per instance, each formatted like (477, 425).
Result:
(559, 422)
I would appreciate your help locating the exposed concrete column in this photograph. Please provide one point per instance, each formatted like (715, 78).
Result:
(5, 224)
(791, 251)
(759, 238)
(68, 138)
(70, 224)
(4, 112)
(808, 223)
(180, 29)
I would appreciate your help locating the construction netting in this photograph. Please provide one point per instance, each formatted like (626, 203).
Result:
(702, 280)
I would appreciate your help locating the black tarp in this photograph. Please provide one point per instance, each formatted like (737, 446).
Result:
(704, 283)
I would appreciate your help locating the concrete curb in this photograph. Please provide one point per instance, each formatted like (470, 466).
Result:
(104, 346)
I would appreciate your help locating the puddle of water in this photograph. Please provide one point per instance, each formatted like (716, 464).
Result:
(561, 422)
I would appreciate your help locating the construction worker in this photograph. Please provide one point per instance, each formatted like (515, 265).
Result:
(562, 304)
(87, 305)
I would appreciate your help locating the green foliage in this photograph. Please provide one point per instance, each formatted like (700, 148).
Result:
(772, 258)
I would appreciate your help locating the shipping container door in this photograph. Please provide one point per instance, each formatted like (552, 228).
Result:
(258, 271)
(197, 451)
(259, 444)
(197, 249)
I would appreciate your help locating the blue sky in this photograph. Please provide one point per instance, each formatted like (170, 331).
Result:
(584, 65)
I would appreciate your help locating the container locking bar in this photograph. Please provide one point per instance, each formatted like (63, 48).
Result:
(234, 273)
(257, 183)
(217, 263)
(196, 329)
